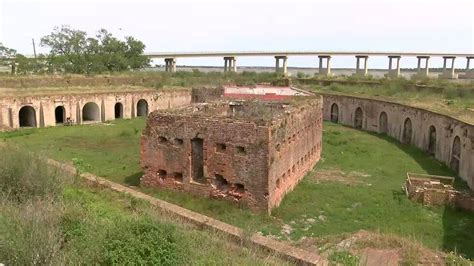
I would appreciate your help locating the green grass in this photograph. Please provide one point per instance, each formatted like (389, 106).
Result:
(49, 217)
(372, 200)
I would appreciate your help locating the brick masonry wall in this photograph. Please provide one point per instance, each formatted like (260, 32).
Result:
(295, 147)
(447, 128)
(44, 106)
(243, 163)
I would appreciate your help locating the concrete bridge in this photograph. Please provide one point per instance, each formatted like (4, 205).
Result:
(393, 70)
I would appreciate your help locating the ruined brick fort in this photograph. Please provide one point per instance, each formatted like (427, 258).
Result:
(249, 151)
(449, 140)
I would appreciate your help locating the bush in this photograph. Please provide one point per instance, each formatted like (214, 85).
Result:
(344, 258)
(29, 233)
(144, 242)
(25, 176)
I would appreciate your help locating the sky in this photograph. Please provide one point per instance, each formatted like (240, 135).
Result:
(250, 25)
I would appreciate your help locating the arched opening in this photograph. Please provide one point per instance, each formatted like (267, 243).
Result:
(432, 140)
(27, 116)
(334, 113)
(383, 123)
(118, 110)
(407, 132)
(142, 108)
(59, 114)
(456, 154)
(90, 112)
(358, 118)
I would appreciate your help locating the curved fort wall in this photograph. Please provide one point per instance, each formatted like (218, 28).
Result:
(41, 111)
(449, 140)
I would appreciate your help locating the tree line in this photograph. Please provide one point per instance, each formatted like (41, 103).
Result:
(73, 51)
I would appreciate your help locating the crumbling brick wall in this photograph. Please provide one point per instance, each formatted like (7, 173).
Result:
(295, 147)
(235, 150)
(235, 157)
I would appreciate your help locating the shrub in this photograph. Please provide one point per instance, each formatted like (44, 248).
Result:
(29, 233)
(144, 242)
(344, 258)
(25, 176)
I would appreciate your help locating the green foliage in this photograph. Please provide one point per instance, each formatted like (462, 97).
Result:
(25, 176)
(144, 242)
(6, 54)
(72, 51)
(453, 259)
(344, 258)
(29, 232)
(95, 226)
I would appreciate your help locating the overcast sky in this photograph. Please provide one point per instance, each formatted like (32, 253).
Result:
(245, 25)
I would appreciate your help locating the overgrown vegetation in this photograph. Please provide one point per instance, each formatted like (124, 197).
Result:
(48, 217)
(355, 186)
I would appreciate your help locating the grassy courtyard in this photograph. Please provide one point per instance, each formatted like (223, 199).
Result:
(356, 185)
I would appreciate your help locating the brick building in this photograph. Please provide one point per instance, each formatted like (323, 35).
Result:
(249, 151)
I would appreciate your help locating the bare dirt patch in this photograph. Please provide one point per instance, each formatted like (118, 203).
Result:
(372, 248)
(336, 175)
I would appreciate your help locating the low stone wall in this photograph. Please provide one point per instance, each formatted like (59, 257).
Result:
(449, 140)
(41, 110)
(288, 252)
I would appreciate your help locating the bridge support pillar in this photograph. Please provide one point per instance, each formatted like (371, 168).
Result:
(393, 72)
(324, 71)
(448, 73)
(170, 64)
(469, 73)
(425, 71)
(361, 72)
(229, 64)
(283, 69)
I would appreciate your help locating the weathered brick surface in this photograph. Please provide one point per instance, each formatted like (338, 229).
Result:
(296, 142)
(240, 161)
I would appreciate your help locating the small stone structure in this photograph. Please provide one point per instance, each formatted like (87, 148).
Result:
(437, 191)
(253, 152)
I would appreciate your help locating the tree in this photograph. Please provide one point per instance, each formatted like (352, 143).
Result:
(7, 55)
(72, 51)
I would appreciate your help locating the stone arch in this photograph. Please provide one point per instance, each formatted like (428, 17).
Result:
(407, 131)
(432, 140)
(59, 114)
(90, 112)
(383, 123)
(358, 118)
(27, 116)
(456, 154)
(142, 108)
(334, 113)
(118, 110)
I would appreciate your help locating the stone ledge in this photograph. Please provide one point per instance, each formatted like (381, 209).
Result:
(290, 253)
